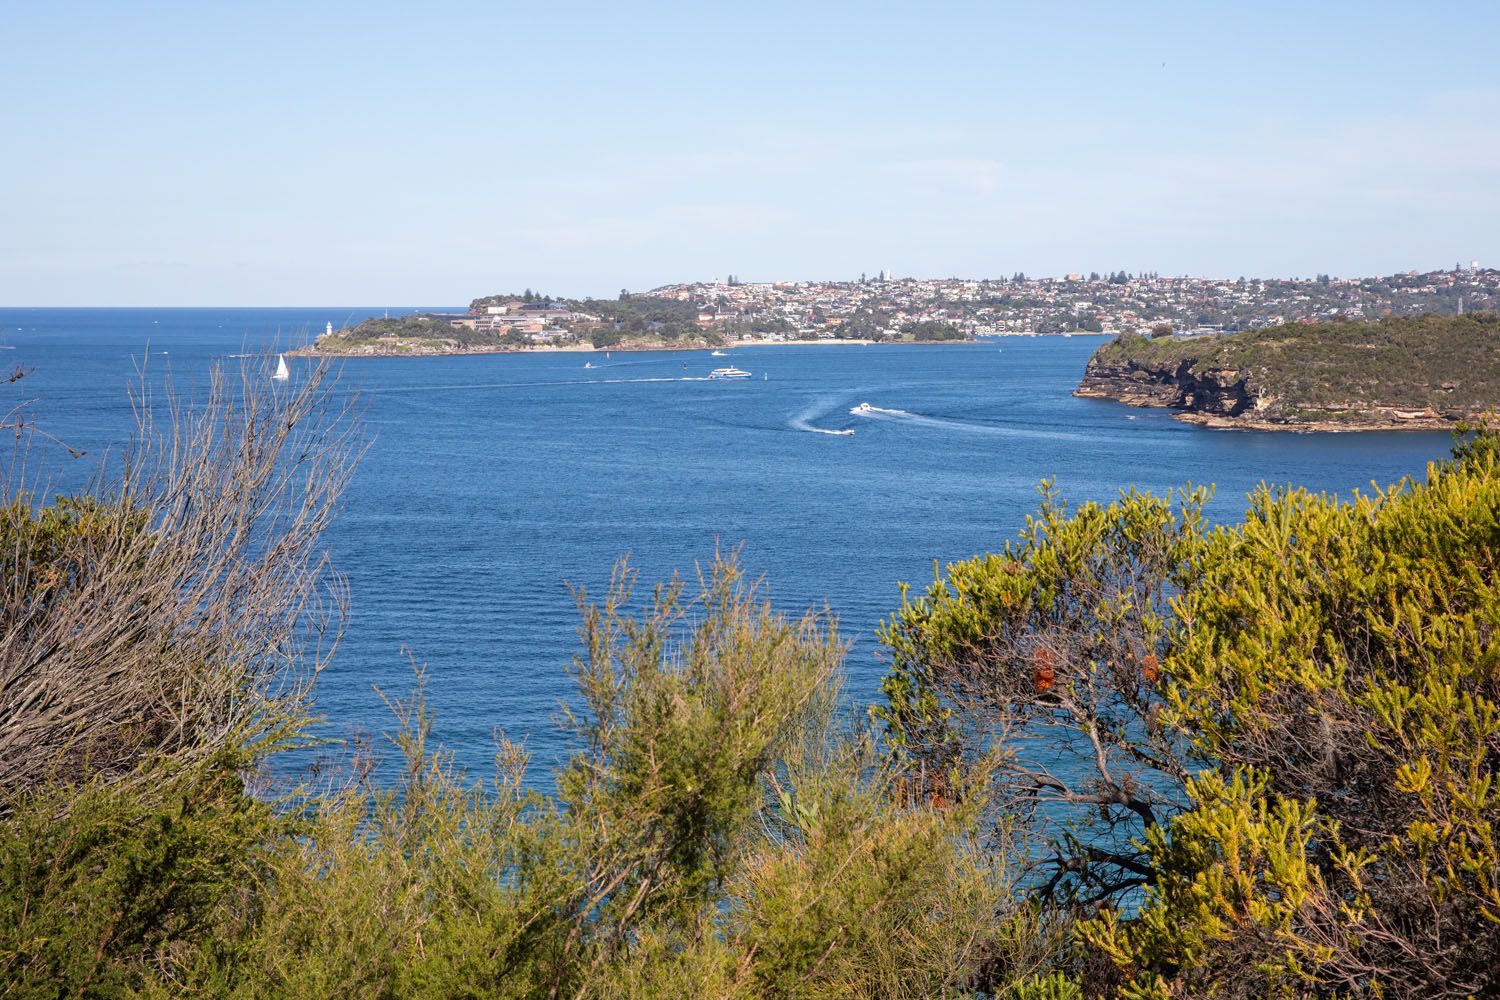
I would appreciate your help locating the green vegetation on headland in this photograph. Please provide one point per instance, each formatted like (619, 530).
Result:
(934, 332)
(638, 325)
(1129, 756)
(418, 334)
(1408, 372)
(530, 321)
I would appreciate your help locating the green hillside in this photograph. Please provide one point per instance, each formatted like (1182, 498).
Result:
(1449, 365)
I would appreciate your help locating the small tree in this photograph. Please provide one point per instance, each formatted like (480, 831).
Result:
(186, 609)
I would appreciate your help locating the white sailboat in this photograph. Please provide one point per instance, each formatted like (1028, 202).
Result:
(282, 372)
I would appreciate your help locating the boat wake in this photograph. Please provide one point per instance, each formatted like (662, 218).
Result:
(963, 426)
(866, 410)
(803, 421)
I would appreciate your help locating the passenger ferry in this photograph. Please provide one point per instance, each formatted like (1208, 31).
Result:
(728, 373)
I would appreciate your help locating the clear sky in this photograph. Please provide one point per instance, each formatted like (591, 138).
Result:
(265, 153)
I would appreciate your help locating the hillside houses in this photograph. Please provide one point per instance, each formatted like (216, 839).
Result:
(876, 308)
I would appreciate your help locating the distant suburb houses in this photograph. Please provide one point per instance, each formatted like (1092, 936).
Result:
(538, 322)
(887, 308)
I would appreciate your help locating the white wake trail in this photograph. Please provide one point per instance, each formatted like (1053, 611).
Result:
(803, 421)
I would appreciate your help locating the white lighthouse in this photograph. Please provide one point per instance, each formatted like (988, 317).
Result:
(328, 330)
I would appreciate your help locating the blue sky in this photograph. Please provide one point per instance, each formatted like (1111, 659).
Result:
(373, 153)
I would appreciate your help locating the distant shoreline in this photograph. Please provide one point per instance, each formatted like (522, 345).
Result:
(311, 350)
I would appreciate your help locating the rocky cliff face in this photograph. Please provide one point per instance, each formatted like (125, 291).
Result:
(1417, 373)
(1216, 392)
(1229, 398)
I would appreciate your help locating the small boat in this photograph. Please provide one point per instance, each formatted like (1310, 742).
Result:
(718, 354)
(282, 372)
(728, 373)
(588, 364)
(862, 409)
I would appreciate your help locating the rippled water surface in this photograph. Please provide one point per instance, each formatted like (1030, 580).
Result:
(492, 481)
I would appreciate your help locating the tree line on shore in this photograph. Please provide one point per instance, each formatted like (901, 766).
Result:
(1131, 755)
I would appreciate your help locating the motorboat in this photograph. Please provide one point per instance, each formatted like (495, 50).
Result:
(718, 354)
(862, 409)
(728, 373)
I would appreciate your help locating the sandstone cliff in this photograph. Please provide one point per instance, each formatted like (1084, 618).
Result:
(1423, 373)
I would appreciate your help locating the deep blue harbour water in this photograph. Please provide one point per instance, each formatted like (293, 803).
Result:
(493, 480)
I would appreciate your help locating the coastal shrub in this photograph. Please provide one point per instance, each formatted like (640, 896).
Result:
(1345, 655)
(104, 883)
(1052, 650)
(1308, 707)
(185, 610)
(718, 832)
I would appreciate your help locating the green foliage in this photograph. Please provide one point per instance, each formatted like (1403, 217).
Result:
(855, 894)
(501, 298)
(101, 885)
(1347, 652)
(619, 321)
(1056, 644)
(1477, 438)
(50, 552)
(932, 330)
(1242, 906)
(1344, 369)
(391, 333)
(717, 832)
(1329, 667)
(1053, 986)
(670, 799)
(437, 887)
(418, 327)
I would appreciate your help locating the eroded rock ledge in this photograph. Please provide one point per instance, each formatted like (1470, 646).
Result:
(1233, 399)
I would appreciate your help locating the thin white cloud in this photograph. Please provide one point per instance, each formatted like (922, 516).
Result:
(980, 177)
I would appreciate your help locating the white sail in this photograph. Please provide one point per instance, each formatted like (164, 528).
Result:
(282, 372)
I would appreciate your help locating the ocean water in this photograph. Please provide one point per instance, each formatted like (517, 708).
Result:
(492, 482)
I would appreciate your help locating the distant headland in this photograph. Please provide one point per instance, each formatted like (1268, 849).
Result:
(651, 321)
(909, 310)
(1404, 373)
